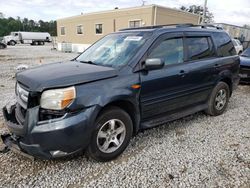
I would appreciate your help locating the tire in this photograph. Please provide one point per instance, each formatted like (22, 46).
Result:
(218, 99)
(42, 43)
(107, 143)
(12, 43)
(2, 46)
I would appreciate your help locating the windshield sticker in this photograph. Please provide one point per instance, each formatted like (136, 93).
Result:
(133, 38)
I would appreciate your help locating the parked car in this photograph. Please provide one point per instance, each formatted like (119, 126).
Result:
(128, 81)
(2, 45)
(238, 46)
(245, 66)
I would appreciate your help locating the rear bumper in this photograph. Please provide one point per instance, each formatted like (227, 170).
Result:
(49, 139)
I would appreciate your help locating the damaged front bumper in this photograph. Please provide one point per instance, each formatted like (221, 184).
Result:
(48, 139)
(11, 144)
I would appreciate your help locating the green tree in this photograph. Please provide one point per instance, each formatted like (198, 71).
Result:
(196, 9)
(10, 24)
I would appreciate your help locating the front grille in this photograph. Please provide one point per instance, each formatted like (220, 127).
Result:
(22, 96)
(22, 103)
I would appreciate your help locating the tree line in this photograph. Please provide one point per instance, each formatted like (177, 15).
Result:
(10, 24)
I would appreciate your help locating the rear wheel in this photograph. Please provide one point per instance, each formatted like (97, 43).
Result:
(113, 131)
(218, 100)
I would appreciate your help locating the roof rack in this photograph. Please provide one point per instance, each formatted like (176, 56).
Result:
(209, 26)
(205, 26)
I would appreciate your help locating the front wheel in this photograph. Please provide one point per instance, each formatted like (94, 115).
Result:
(113, 132)
(218, 100)
(12, 43)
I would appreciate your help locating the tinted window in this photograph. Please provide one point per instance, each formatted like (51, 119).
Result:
(246, 53)
(171, 51)
(199, 48)
(224, 45)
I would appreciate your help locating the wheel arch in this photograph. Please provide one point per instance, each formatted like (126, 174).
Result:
(229, 82)
(128, 107)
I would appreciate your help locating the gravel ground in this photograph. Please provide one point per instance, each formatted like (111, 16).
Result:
(196, 151)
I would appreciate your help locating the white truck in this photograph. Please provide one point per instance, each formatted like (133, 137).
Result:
(32, 38)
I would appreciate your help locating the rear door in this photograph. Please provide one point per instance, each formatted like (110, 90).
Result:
(201, 66)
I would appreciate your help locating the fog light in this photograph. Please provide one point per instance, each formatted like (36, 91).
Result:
(58, 153)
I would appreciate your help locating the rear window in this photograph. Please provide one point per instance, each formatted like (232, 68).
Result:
(224, 45)
(199, 48)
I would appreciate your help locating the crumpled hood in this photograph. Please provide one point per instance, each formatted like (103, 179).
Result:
(63, 74)
(245, 61)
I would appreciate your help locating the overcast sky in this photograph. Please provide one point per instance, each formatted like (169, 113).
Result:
(227, 11)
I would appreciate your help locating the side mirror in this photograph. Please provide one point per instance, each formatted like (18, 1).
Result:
(152, 64)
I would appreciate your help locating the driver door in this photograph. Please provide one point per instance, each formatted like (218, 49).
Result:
(162, 90)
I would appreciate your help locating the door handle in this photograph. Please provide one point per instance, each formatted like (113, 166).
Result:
(216, 65)
(182, 73)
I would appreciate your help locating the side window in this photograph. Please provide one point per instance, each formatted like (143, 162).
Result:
(171, 51)
(234, 43)
(224, 44)
(199, 48)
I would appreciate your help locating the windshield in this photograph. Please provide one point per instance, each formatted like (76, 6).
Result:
(114, 50)
(246, 53)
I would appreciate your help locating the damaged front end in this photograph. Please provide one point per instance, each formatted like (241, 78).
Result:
(45, 134)
(19, 123)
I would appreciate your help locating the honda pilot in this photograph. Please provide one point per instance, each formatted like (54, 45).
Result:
(127, 81)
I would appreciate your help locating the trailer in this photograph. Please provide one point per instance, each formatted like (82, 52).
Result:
(32, 38)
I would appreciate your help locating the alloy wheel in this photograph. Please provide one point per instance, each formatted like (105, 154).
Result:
(111, 136)
(220, 99)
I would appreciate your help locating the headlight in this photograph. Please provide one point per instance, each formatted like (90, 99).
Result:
(57, 99)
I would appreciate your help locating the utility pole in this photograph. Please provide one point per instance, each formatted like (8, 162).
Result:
(143, 3)
(204, 12)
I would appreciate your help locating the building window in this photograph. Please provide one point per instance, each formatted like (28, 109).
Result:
(79, 29)
(62, 30)
(135, 23)
(98, 28)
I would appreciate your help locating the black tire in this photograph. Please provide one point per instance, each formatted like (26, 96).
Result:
(12, 43)
(42, 43)
(111, 113)
(214, 108)
(2, 46)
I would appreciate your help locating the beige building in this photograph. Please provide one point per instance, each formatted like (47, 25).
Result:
(85, 29)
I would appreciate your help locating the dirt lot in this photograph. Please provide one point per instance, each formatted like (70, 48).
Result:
(196, 151)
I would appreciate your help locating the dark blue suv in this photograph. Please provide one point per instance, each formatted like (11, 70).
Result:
(128, 81)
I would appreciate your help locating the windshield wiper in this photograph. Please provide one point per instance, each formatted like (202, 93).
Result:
(244, 55)
(88, 62)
